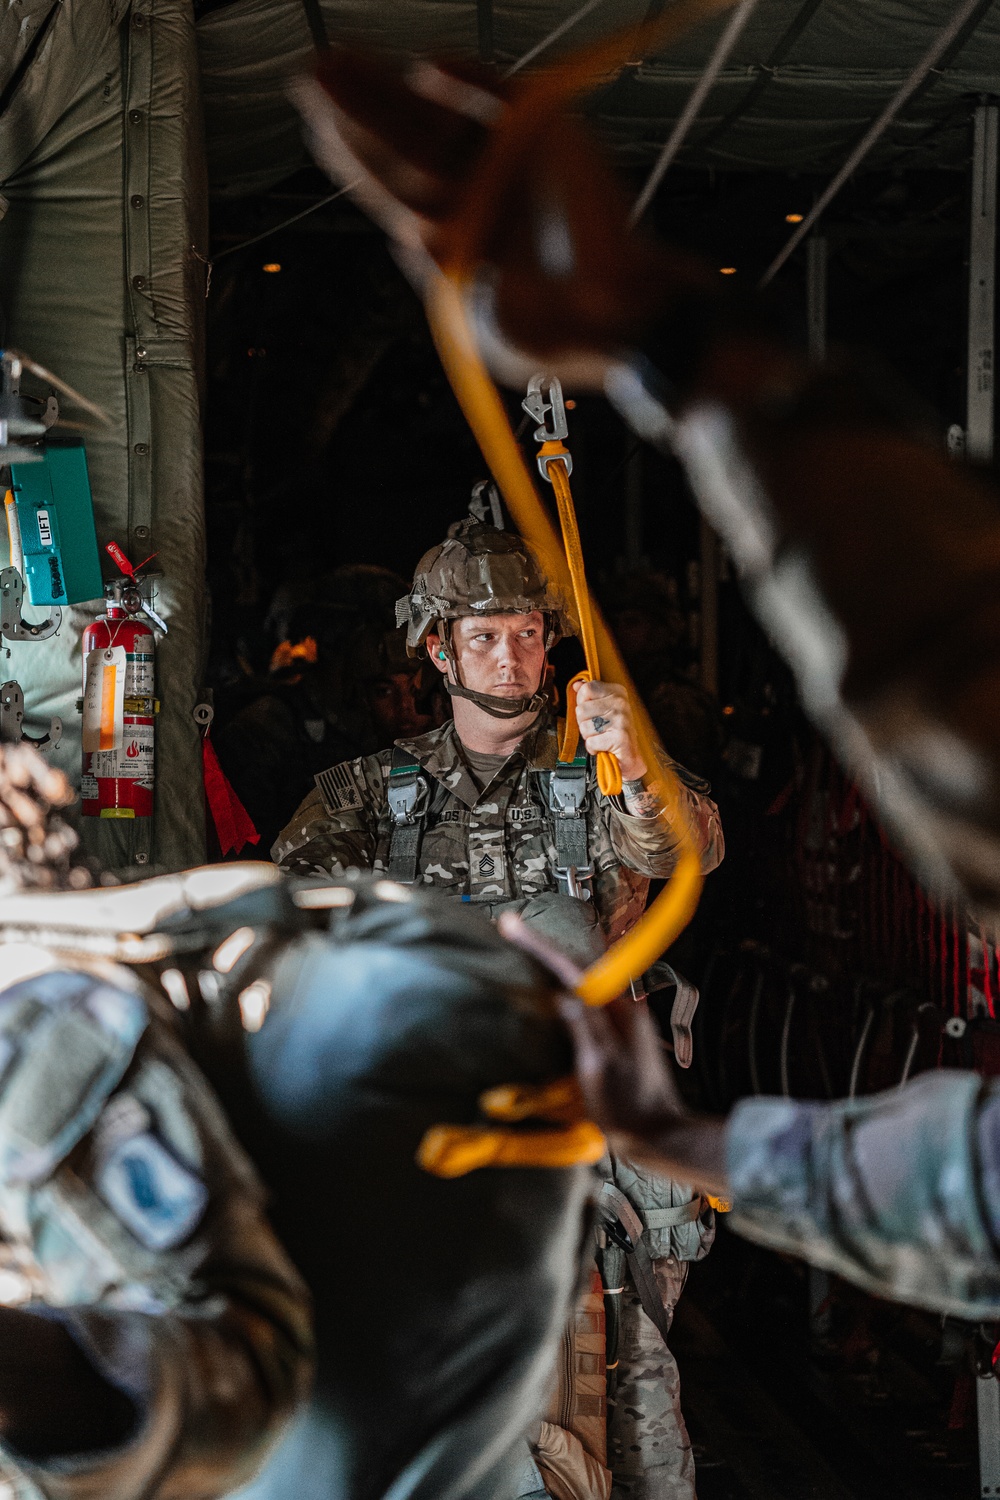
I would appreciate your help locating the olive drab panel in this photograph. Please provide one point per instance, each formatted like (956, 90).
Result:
(101, 165)
(839, 71)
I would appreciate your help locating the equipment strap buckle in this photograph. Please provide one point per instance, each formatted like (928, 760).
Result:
(538, 408)
(407, 796)
(568, 788)
(567, 796)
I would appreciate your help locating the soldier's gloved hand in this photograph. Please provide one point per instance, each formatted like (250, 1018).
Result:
(604, 714)
(562, 280)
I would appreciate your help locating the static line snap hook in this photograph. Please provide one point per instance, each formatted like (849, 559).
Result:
(538, 408)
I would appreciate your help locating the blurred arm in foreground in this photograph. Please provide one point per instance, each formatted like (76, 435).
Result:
(870, 558)
(897, 1192)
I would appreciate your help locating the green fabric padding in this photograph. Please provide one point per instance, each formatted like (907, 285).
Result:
(108, 115)
(829, 85)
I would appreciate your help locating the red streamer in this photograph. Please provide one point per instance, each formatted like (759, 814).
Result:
(233, 823)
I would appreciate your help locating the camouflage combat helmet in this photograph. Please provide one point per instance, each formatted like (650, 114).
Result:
(478, 570)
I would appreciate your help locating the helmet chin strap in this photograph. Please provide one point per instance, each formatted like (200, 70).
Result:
(491, 703)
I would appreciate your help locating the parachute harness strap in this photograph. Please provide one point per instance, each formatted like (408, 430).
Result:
(452, 1150)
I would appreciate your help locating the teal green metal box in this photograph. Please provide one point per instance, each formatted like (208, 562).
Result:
(56, 516)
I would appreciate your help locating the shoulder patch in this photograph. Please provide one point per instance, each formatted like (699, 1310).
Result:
(339, 787)
(160, 1202)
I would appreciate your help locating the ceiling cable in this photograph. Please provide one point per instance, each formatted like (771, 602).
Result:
(766, 73)
(929, 60)
(723, 47)
(553, 36)
(266, 233)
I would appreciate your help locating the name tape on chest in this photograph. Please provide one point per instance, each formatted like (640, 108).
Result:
(513, 815)
(339, 787)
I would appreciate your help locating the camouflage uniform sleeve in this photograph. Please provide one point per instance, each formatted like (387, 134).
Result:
(123, 1189)
(648, 846)
(334, 829)
(898, 1192)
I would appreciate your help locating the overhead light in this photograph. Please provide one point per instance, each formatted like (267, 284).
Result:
(727, 270)
(272, 267)
(570, 405)
(794, 218)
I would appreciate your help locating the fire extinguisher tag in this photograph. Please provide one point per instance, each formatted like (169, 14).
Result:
(104, 699)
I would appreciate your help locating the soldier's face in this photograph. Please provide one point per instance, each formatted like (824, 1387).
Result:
(499, 654)
(393, 703)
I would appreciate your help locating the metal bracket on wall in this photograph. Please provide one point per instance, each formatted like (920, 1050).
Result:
(12, 624)
(12, 721)
(11, 712)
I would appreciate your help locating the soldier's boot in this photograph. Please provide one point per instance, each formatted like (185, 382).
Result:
(649, 1451)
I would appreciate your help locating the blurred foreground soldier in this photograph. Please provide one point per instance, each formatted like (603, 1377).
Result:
(872, 560)
(482, 811)
(166, 1338)
(348, 1029)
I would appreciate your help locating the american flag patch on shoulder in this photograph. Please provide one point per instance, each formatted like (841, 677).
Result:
(339, 788)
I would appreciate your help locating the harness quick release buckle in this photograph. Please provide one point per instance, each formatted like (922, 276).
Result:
(407, 796)
(567, 800)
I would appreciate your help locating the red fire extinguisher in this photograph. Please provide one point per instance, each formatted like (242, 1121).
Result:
(119, 703)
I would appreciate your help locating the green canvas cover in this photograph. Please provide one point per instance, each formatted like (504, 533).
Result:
(805, 80)
(102, 172)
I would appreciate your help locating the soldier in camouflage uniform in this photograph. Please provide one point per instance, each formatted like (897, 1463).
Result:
(469, 808)
(482, 811)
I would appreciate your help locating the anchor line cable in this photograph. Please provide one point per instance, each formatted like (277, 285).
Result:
(285, 223)
(874, 132)
(553, 36)
(723, 48)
